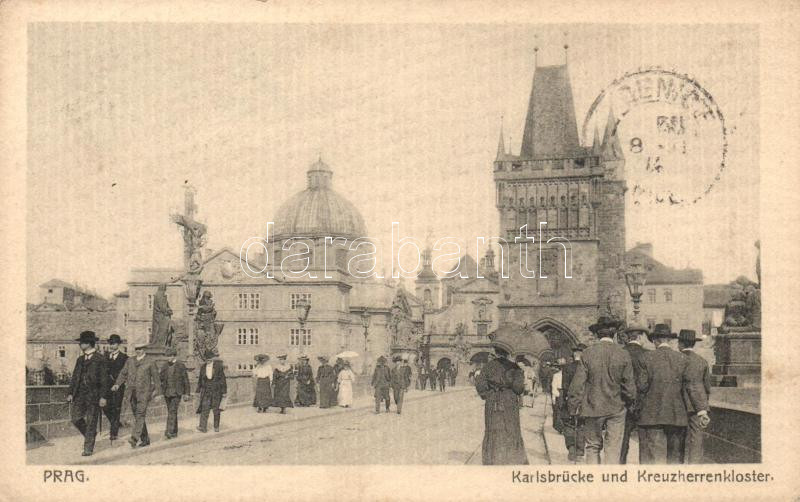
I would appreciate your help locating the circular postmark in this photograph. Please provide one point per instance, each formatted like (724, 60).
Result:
(667, 128)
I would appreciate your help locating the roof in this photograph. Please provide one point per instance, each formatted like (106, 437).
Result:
(466, 264)
(319, 210)
(155, 275)
(551, 130)
(658, 273)
(66, 326)
(717, 295)
(58, 283)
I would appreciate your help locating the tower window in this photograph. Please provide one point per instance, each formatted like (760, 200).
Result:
(552, 200)
(541, 201)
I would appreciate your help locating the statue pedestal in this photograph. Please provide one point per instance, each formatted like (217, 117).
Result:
(738, 358)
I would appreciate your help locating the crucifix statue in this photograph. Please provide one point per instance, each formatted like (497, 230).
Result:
(194, 240)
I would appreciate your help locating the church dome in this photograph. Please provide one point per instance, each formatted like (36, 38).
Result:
(319, 211)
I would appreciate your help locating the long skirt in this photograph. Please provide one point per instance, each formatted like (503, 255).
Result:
(327, 394)
(306, 394)
(345, 393)
(281, 398)
(263, 397)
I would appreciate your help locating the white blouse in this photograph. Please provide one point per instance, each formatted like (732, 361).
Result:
(264, 371)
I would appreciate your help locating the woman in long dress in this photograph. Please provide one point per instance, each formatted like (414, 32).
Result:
(345, 383)
(262, 376)
(281, 378)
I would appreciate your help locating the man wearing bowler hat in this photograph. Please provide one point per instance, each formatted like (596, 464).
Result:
(115, 362)
(700, 377)
(88, 390)
(633, 344)
(143, 384)
(663, 382)
(175, 383)
(602, 388)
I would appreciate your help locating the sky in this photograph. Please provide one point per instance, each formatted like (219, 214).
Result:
(120, 116)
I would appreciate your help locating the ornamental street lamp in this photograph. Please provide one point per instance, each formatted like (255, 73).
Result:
(635, 277)
(365, 320)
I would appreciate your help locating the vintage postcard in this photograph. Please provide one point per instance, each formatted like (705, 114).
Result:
(399, 251)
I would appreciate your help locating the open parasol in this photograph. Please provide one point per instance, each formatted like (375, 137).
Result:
(519, 340)
(348, 354)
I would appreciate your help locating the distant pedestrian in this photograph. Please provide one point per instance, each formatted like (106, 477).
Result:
(326, 378)
(262, 382)
(433, 377)
(175, 384)
(700, 378)
(602, 388)
(381, 382)
(344, 384)
(142, 382)
(422, 377)
(500, 384)
(306, 388)
(442, 378)
(281, 379)
(453, 374)
(400, 376)
(212, 386)
(115, 361)
(88, 390)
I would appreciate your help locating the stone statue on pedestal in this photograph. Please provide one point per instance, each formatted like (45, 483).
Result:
(207, 330)
(162, 314)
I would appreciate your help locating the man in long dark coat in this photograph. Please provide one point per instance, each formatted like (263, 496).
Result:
(401, 379)
(381, 382)
(282, 376)
(175, 384)
(573, 431)
(442, 374)
(306, 389)
(212, 387)
(663, 380)
(635, 349)
(88, 390)
(433, 377)
(700, 378)
(115, 362)
(326, 378)
(500, 384)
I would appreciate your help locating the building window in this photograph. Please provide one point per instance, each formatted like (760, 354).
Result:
(38, 352)
(651, 295)
(244, 367)
(668, 322)
(295, 297)
(482, 328)
(300, 336)
(248, 301)
(50, 291)
(125, 317)
(651, 323)
(149, 302)
(668, 295)
(149, 330)
(61, 351)
(247, 336)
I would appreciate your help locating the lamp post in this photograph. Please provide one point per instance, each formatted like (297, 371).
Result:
(303, 306)
(365, 320)
(635, 277)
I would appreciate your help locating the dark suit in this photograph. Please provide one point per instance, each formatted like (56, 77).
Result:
(663, 378)
(175, 383)
(572, 426)
(142, 383)
(211, 392)
(603, 385)
(381, 381)
(700, 378)
(636, 352)
(89, 383)
(113, 408)
(400, 377)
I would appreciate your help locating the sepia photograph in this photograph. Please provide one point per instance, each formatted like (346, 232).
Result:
(361, 245)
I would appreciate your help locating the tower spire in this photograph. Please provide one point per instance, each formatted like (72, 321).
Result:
(597, 147)
(611, 147)
(501, 148)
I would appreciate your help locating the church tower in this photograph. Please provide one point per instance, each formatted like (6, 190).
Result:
(427, 286)
(576, 194)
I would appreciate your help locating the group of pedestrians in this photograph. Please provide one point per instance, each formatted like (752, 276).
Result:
(615, 387)
(107, 382)
(436, 377)
(397, 379)
(272, 386)
(608, 390)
